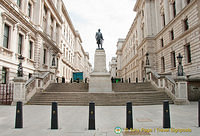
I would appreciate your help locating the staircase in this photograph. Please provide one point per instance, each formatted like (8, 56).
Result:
(76, 94)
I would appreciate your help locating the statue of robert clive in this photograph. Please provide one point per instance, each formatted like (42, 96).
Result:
(99, 39)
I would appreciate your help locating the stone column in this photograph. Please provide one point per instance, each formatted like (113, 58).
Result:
(171, 11)
(178, 6)
(26, 7)
(181, 91)
(166, 10)
(148, 25)
(26, 47)
(38, 51)
(59, 7)
(58, 37)
(158, 17)
(54, 30)
(19, 92)
(184, 3)
(48, 28)
(13, 43)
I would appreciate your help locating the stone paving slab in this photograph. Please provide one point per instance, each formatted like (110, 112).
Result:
(73, 120)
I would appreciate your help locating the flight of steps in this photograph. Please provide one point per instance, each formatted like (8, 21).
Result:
(76, 94)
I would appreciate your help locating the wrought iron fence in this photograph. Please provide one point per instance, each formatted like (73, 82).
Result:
(6, 93)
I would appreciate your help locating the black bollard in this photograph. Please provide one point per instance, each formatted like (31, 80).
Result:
(54, 116)
(199, 113)
(136, 80)
(19, 115)
(85, 80)
(71, 80)
(77, 80)
(112, 80)
(129, 115)
(122, 80)
(166, 114)
(91, 116)
(129, 80)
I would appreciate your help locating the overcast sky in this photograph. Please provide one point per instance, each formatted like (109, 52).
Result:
(113, 17)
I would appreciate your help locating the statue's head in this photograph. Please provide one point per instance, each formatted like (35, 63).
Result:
(99, 30)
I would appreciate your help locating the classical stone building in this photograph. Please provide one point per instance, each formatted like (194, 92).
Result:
(113, 67)
(160, 31)
(40, 30)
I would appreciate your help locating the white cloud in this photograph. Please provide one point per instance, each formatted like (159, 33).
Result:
(113, 17)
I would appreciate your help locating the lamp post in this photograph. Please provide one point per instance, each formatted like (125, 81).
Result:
(180, 67)
(147, 59)
(20, 68)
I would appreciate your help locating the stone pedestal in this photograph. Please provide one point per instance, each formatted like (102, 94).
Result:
(100, 80)
(181, 92)
(19, 92)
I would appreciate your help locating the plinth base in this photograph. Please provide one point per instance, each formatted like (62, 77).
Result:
(100, 82)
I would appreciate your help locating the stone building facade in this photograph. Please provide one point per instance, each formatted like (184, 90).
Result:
(113, 67)
(40, 30)
(161, 30)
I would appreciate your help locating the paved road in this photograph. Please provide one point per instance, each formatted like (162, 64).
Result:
(73, 121)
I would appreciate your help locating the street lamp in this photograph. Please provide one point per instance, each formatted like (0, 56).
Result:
(20, 68)
(147, 59)
(180, 67)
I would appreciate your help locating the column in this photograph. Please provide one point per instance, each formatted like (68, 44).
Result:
(171, 11)
(38, 56)
(38, 13)
(26, 7)
(184, 3)
(48, 28)
(58, 36)
(148, 25)
(54, 30)
(26, 46)
(59, 6)
(178, 6)
(166, 11)
(13, 40)
(158, 17)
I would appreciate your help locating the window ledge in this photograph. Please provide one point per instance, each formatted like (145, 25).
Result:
(188, 64)
(173, 68)
(30, 60)
(45, 65)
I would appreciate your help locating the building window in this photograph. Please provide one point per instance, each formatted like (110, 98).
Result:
(162, 64)
(51, 27)
(45, 19)
(20, 43)
(163, 17)
(188, 1)
(19, 3)
(53, 62)
(6, 36)
(186, 25)
(30, 75)
(29, 9)
(162, 42)
(4, 75)
(30, 49)
(142, 32)
(44, 56)
(173, 59)
(188, 54)
(174, 8)
(172, 34)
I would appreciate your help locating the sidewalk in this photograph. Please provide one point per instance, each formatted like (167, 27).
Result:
(73, 121)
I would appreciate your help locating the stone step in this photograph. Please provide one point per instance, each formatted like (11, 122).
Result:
(76, 94)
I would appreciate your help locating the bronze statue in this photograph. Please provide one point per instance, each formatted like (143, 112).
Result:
(99, 39)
